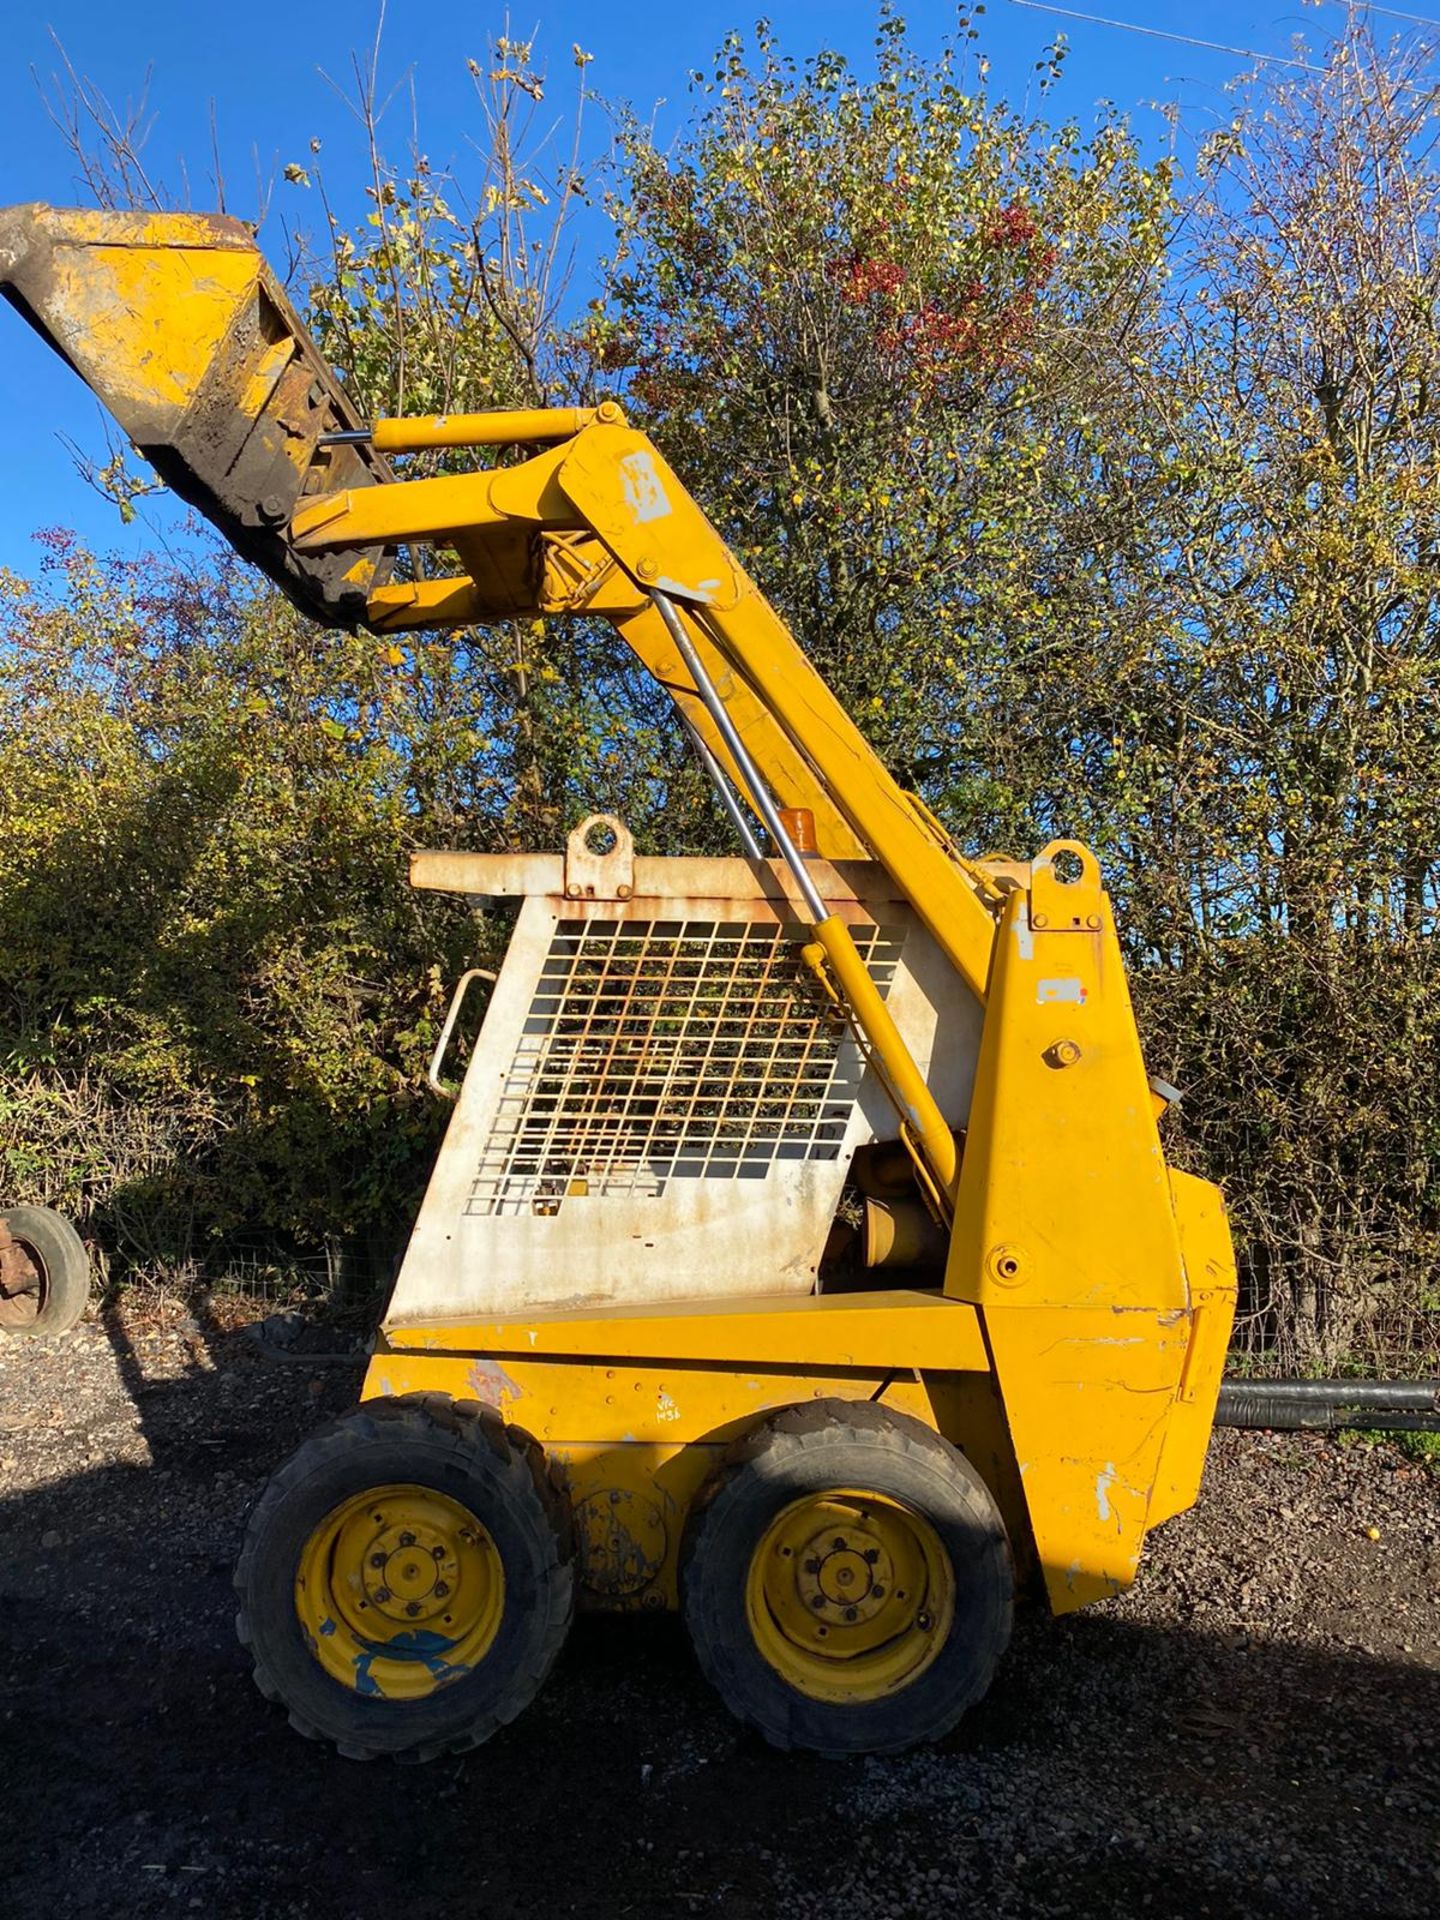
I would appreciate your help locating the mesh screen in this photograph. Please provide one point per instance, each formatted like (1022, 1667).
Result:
(672, 1049)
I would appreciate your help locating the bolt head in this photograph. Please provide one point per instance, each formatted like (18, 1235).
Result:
(382, 1594)
(441, 1589)
(377, 1559)
(407, 1539)
(413, 1608)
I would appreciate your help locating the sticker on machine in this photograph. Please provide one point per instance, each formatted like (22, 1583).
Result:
(644, 494)
(1049, 993)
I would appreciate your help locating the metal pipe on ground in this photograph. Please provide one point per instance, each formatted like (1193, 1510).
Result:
(1397, 1406)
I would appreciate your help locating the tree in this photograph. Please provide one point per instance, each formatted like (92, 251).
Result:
(887, 328)
(1280, 760)
(218, 992)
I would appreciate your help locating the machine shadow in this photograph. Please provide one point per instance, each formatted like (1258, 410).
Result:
(144, 1772)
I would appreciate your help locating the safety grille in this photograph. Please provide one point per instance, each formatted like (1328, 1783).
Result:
(672, 1049)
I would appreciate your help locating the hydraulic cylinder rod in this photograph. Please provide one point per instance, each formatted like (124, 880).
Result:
(520, 426)
(903, 1079)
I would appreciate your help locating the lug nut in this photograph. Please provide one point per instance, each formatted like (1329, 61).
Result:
(838, 1544)
(382, 1594)
(851, 1613)
(377, 1559)
(437, 1553)
(441, 1589)
(407, 1539)
(812, 1566)
(413, 1608)
(871, 1555)
(818, 1601)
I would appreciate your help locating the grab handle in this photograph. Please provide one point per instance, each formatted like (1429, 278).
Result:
(462, 987)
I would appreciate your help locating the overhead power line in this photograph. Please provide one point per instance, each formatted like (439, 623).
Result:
(1213, 46)
(1159, 33)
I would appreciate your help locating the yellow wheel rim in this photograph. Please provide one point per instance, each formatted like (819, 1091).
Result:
(849, 1596)
(399, 1591)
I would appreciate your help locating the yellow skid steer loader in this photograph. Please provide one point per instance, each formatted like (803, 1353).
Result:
(802, 1253)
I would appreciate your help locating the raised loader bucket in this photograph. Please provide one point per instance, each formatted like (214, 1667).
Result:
(179, 328)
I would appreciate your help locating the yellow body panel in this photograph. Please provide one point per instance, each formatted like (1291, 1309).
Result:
(130, 298)
(1210, 1269)
(634, 1442)
(896, 1328)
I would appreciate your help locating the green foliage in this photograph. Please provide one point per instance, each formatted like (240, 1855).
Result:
(218, 992)
(885, 327)
(1422, 1449)
(1090, 554)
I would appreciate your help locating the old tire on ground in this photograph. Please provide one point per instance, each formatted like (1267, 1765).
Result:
(407, 1579)
(45, 1281)
(846, 1580)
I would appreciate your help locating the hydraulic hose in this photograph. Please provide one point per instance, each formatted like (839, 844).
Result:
(1399, 1406)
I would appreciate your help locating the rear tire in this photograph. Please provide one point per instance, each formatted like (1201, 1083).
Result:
(52, 1291)
(846, 1581)
(407, 1581)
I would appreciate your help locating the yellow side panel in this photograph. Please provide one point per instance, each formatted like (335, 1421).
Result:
(1210, 1264)
(1088, 1394)
(635, 1444)
(898, 1329)
(1066, 1235)
(595, 1403)
(1064, 1196)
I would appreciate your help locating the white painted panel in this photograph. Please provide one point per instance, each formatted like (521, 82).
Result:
(672, 1237)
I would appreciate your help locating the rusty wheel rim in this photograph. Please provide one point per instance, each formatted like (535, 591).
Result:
(23, 1286)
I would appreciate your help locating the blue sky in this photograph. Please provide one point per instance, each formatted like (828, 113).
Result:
(262, 69)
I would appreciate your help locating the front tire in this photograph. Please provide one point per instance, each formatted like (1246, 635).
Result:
(846, 1581)
(406, 1581)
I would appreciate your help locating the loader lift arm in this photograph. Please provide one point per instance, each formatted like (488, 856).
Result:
(597, 522)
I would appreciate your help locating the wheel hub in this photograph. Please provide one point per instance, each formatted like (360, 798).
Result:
(411, 1572)
(398, 1591)
(22, 1284)
(849, 1573)
(850, 1595)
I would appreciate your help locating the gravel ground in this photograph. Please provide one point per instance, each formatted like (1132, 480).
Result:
(1254, 1730)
